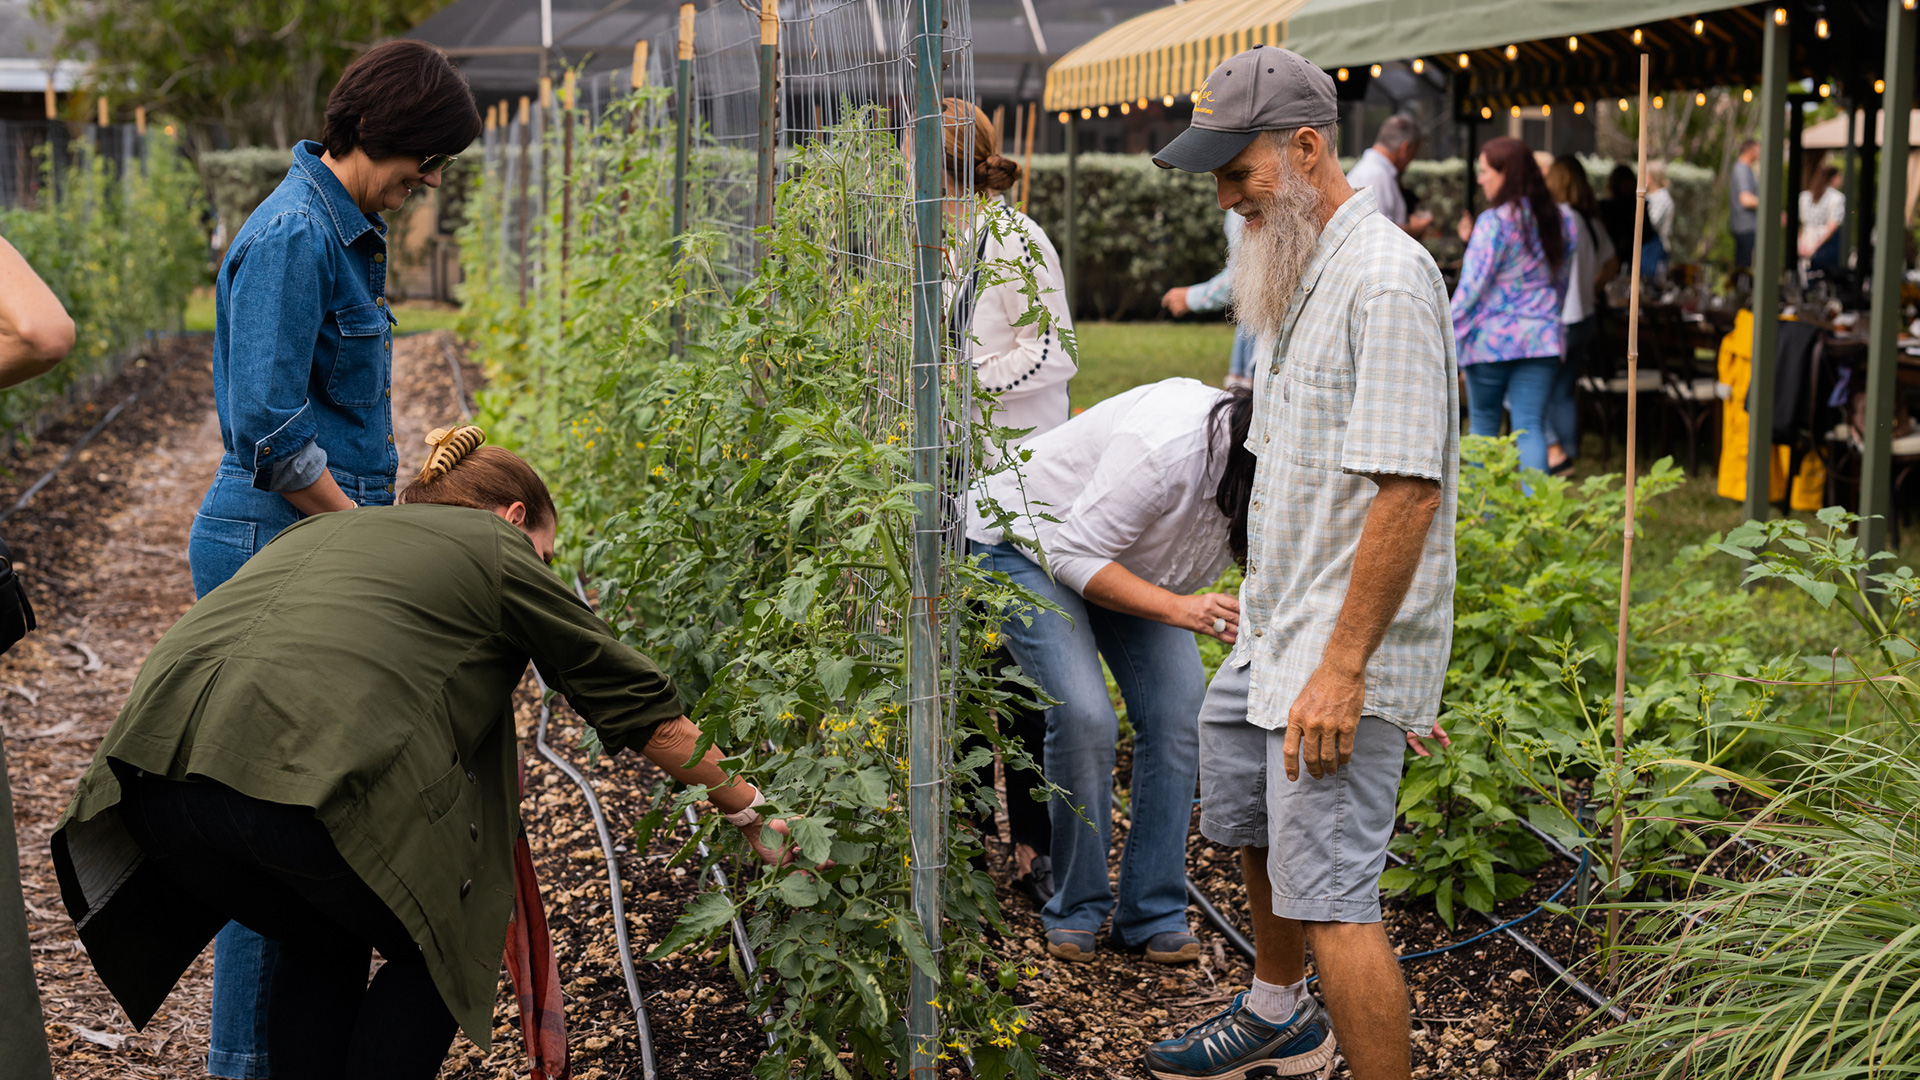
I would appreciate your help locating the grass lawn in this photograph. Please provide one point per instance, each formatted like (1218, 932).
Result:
(1116, 357)
(415, 316)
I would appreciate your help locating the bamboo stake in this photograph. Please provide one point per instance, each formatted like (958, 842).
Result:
(52, 108)
(637, 78)
(1626, 548)
(1026, 170)
(140, 120)
(104, 117)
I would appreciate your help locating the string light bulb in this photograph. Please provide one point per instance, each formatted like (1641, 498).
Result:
(1879, 86)
(1086, 114)
(1699, 27)
(1141, 105)
(1659, 102)
(1341, 74)
(1103, 112)
(1486, 112)
(1167, 101)
(1579, 108)
(1194, 96)
(1826, 90)
(1125, 108)
(1700, 98)
(1419, 65)
(1623, 104)
(1546, 110)
(1374, 71)
(1514, 111)
(1513, 52)
(1638, 37)
(1463, 60)
(1573, 44)
(1747, 95)
(1779, 16)
(1063, 117)
(1820, 28)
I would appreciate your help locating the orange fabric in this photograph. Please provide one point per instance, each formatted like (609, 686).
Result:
(1736, 371)
(534, 969)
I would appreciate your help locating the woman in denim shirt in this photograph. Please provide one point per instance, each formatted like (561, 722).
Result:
(1513, 285)
(302, 376)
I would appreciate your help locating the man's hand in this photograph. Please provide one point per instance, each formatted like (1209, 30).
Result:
(1419, 746)
(1419, 223)
(1175, 301)
(1321, 724)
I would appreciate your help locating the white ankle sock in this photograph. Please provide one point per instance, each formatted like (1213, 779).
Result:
(1273, 1003)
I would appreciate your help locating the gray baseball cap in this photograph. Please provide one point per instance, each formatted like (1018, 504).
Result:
(1263, 89)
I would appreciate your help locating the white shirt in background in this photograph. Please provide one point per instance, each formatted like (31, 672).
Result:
(1815, 216)
(1375, 171)
(1592, 248)
(1025, 366)
(1130, 481)
(1660, 214)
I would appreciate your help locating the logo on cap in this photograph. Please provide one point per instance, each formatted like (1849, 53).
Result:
(1202, 95)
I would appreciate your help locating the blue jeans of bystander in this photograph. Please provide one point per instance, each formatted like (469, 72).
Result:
(1158, 670)
(1522, 386)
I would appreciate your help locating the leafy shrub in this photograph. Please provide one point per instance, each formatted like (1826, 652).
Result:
(122, 252)
(1528, 698)
(744, 509)
(240, 180)
(1801, 959)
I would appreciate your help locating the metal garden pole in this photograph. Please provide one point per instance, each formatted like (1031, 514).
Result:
(1876, 489)
(926, 752)
(568, 93)
(1072, 259)
(769, 95)
(1767, 248)
(683, 120)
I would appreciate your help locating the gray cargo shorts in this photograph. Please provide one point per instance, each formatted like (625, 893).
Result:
(1326, 839)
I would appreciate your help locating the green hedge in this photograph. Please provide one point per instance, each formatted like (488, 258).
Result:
(1144, 229)
(239, 180)
(122, 253)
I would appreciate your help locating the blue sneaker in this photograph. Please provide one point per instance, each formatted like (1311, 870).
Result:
(1237, 1045)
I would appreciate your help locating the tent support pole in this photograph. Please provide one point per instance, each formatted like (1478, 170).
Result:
(927, 756)
(1767, 251)
(1851, 108)
(682, 123)
(1876, 463)
(1072, 259)
(769, 94)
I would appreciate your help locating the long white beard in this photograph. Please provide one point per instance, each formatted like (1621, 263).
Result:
(1268, 260)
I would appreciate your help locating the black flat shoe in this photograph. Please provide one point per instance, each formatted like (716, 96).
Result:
(1037, 882)
(1561, 469)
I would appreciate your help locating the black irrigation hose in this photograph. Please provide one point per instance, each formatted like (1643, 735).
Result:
(74, 450)
(747, 960)
(1239, 940)
(619, 907)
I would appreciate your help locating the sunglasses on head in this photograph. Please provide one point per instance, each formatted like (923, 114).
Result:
(433, 163)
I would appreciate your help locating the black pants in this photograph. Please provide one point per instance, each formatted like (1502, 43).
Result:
(273, 869)
(1028, 822)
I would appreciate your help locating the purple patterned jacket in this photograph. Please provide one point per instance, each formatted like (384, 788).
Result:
(1508, 303)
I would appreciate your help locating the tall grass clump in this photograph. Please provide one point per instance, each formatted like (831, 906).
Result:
(1795, 950)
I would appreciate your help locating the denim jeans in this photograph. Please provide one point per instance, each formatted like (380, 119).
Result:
(1522, 386)
(275, 868)
(1158, 670)
(235, 521)
(1563, 407)
(1244, 342)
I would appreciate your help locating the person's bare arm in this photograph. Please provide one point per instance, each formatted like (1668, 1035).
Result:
(1117, 588)
(672, 745)
(1749, 200)
(35, 331)
(323, 496)
(1321, 724)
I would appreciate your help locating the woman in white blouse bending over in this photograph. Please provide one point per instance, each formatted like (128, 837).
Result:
(1133, 505)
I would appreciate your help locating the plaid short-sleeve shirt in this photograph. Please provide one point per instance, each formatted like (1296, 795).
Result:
(1361, 381)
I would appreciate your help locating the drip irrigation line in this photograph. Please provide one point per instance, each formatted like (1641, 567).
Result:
(74, 450)
(747, 960)
(460, 398)
(1239, 940)
(619, 907)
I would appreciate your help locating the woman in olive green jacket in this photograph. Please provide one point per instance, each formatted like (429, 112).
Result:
(323, 749)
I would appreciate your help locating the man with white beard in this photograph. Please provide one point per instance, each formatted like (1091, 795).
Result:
(1347, 602)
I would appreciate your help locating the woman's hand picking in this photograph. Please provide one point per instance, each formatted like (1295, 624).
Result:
(782, 852)
(1216, 615)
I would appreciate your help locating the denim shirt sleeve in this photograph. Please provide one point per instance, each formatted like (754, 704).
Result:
(276, 318)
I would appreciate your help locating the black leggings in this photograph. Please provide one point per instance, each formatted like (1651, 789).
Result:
(273, 869)
(1027, 820)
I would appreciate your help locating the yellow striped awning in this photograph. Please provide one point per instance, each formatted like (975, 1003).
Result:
(1167, 52)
